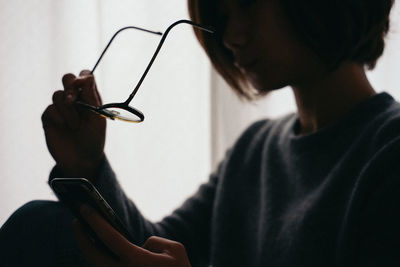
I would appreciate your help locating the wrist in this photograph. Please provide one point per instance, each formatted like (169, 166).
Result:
(87, 169)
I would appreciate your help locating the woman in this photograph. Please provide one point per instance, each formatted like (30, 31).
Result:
(316, 188)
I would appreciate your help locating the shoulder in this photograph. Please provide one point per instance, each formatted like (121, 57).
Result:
(380, 140)
(386, 126)
(387, 121)
(383, 173)
(382, 130)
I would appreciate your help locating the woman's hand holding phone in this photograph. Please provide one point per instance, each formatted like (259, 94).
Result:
(156, 251)
(75, 137)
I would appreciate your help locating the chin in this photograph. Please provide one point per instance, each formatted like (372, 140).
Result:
(266, 85)
(266, 80)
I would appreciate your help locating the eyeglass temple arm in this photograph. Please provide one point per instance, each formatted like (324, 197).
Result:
(158, 50)
(115, 35)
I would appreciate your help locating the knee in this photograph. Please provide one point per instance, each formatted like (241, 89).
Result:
(33, 229)
(36, 206)
(33, 215)
(34, 210)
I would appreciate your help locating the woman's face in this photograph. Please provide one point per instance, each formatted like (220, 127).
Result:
(264, 45)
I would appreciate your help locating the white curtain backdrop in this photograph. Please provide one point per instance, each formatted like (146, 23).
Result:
(159, 162)
(192, 117)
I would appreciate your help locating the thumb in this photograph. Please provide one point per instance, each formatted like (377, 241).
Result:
(88, 88)
(160, 245)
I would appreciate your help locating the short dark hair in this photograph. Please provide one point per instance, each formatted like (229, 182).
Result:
(337, 31)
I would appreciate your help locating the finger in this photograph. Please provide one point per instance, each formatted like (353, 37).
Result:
(67, 111)
(172, 251)
(71, 92)
(52, 118)
(161, 245)
(156, 244)
(85, 73)
(88, 89)
(96, 92)
(117, 243)
(93, 254)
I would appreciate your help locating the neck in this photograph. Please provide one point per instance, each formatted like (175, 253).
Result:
(329, 97)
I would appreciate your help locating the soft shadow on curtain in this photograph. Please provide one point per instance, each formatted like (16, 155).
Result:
(159, 162)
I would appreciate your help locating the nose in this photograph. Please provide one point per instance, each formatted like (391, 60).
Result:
(236, 31)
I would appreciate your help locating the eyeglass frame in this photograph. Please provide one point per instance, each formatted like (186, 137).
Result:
(102, 110)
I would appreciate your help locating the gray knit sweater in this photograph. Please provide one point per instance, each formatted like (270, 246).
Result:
(326, 199)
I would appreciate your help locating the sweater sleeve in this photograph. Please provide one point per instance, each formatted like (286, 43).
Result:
(380, 226)
(189, 224)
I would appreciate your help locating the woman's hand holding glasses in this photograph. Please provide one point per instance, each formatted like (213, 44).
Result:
(75, 133)
(75, 136)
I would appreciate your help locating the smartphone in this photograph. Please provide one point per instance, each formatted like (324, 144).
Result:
(74, 192)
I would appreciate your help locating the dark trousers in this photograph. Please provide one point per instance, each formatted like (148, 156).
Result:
(39, 234)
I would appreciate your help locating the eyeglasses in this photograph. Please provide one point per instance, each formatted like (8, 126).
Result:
(122, 111)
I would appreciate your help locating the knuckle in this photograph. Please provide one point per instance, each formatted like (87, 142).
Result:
(67, 78)
(49, 116)
(88, 80)
(57, 96)
(84, 83)
(85, 72)
(178, 246)
(151, 240)
(50, 109)
(45, 114)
